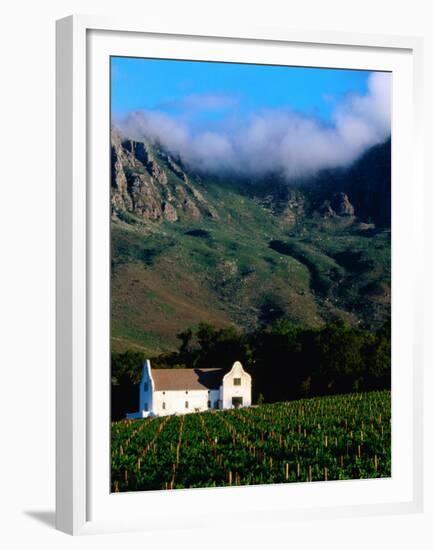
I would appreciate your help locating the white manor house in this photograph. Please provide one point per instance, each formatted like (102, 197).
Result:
(179, 391)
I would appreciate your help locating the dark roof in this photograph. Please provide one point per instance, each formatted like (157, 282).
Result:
(187, 379)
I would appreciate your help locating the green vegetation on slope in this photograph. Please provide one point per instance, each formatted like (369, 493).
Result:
(244, 269)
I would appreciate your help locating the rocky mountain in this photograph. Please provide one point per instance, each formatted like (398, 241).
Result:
(150, 184)
(190, 248)
(367, 184)
(339, 205)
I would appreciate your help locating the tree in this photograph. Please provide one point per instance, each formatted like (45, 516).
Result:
(126, 371)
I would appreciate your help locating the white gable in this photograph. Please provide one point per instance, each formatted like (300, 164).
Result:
(236, 388)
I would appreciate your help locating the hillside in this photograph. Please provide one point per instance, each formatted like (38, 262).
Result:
(190, 248)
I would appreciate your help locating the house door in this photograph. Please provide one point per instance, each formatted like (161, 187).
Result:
(237, 402)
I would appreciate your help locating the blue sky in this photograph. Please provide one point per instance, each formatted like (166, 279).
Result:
(160, 84)
(252, 119)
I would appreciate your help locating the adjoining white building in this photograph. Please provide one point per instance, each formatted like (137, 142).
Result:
(179, 391)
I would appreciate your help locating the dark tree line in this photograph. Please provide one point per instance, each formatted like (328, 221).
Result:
(286, 361)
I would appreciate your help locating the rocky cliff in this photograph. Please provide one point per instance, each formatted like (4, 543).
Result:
(150, 184)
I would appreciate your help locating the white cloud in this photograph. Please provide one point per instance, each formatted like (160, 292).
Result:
(277, 140)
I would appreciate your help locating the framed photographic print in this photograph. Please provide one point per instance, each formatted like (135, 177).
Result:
(237, 284)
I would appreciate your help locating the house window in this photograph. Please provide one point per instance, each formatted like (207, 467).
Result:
(209, 404)
(237, 381)
(237, 402)
(186, 404)
(145, 386)
(146, 406)
(164, 405)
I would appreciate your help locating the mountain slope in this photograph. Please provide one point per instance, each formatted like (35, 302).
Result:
(190, 248)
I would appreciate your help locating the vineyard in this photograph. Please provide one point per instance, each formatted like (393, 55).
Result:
(326, 438)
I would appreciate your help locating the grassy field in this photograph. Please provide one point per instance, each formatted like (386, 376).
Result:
(327, 438)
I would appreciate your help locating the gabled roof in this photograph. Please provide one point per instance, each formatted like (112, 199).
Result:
(187, 379)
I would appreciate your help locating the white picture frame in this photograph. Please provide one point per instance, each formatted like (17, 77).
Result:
(83, 504)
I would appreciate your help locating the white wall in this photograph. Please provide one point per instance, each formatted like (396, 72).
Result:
(27, 274)
(146, 390)
(175, 401)
(243, 391)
